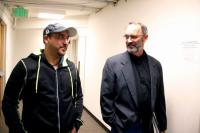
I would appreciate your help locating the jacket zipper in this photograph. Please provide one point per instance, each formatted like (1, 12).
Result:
(58, 102)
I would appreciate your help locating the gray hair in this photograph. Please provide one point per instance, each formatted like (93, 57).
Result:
(143, 27)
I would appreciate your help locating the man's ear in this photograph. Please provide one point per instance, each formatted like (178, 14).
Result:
(146, 37)
(45, 39)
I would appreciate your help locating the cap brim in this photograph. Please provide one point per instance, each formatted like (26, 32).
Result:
(71, 31)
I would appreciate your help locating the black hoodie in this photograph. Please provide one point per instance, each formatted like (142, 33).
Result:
(52, 99)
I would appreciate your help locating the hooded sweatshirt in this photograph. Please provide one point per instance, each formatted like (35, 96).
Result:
(52, 99)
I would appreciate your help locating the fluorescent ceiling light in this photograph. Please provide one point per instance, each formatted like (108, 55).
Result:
(50, 16)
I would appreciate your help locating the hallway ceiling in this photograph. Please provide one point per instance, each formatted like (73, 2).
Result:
(67, 7)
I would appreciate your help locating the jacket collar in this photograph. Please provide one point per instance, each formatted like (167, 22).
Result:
(127, 71)
(62, 63)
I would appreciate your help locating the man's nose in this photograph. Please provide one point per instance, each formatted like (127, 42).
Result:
(129, 40)
(64, 42)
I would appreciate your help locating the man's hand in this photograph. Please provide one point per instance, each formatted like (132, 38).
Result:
(73, 130)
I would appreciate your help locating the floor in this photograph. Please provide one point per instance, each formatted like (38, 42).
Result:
(90, 125)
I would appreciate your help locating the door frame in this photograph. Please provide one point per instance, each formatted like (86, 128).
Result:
(2, 57)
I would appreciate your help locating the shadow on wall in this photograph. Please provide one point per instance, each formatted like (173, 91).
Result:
(199, 124)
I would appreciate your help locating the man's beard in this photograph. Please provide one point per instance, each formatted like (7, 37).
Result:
(134, 49)
(62, 51)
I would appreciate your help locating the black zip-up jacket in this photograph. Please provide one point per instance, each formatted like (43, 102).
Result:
(52, 99)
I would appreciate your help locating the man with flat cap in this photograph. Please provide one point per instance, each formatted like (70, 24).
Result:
(49, 87)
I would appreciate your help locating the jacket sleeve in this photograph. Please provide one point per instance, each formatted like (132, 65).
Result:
(78, 103)
(160, 107)
(11, 99)
(107, 94)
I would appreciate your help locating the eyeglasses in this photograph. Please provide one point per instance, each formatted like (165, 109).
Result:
(132, 36)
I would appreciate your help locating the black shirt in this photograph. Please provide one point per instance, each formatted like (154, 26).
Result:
(143, 85)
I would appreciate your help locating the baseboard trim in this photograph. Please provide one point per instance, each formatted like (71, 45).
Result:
(97, 120)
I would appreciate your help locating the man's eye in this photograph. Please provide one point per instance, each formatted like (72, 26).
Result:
(130, 36)
(62, 37)
(133, 37)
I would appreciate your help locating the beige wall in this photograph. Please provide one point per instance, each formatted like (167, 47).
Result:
(173, 39)
(9, 38)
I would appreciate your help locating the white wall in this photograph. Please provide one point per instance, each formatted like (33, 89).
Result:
(173, 39)
(28, 38)
(29, 34)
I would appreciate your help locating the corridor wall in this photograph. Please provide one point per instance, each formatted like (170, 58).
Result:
(173, 39)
